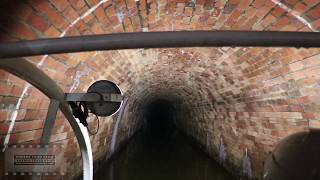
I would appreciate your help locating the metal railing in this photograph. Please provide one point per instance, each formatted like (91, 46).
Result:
(27, 71)
(160, 40)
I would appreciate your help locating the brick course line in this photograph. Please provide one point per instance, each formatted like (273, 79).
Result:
(295, 14)
(14, 114)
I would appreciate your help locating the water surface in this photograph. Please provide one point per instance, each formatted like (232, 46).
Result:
(170, 156)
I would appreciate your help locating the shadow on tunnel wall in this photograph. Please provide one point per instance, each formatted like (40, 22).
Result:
(9, 9)
(297, 157)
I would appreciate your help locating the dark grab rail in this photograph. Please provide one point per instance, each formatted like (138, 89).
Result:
(160, 40)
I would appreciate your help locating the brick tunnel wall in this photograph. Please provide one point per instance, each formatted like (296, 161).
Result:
(246, 98)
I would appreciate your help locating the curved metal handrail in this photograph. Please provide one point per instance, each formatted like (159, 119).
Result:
(27, 71)
(159, 40)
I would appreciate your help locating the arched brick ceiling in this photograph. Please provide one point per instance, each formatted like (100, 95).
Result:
(39, 19)
(238, 82)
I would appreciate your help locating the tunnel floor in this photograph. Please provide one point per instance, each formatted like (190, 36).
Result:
(170, 156)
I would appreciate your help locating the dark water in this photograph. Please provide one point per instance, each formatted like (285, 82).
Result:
(167, 157)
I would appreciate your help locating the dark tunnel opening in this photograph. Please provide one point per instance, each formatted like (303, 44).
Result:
(160, 150)
(160, 115)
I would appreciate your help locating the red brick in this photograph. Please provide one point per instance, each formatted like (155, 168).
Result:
(233, 17)
(252, 21)
(243, 4)
(92, 2)
(4, 128)
(188, 11)
(290, 3)
(311, 3)
(308, 115)
(5, 89)
(152, 17)
(114, 20)
(111, 11)
(25, 136)
(60, 5)
(53, 15)
(22, 31)
(258, 83)
(40, 6)
(278, 11)
(56, 18)
(200, 2)
(303, 99)
(296, 108)
(234, 1)
(70, 14)
(209, 4)
(99, 12)
(77, 4)
(27, 126)
(38, 23)
(229, 7)
(280, 23)
(314, 124)
(52, 32)
(275, 133)
(316, 24)
(4, 113)
(314, 13)
(300, 7)
(251, 12)
(258, 3)
(31, 114)
(96, 29)
(16, 91)
(15, 80)
(24, 11)
(268, 20)
(3, 75)
(89, 19)
(121, 4)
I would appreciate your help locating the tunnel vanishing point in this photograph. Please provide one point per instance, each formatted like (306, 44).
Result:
(255, 92)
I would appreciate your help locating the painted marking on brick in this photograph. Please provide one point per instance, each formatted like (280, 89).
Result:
(14, 114)
(294, 13)
(116, 126)
(246, 165)
(120, 15)
(83, 16)
(13, 117)
(76, 80)
(222, 151)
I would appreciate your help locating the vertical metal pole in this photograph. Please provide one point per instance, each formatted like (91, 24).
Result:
(27, 71)
(49, 122)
